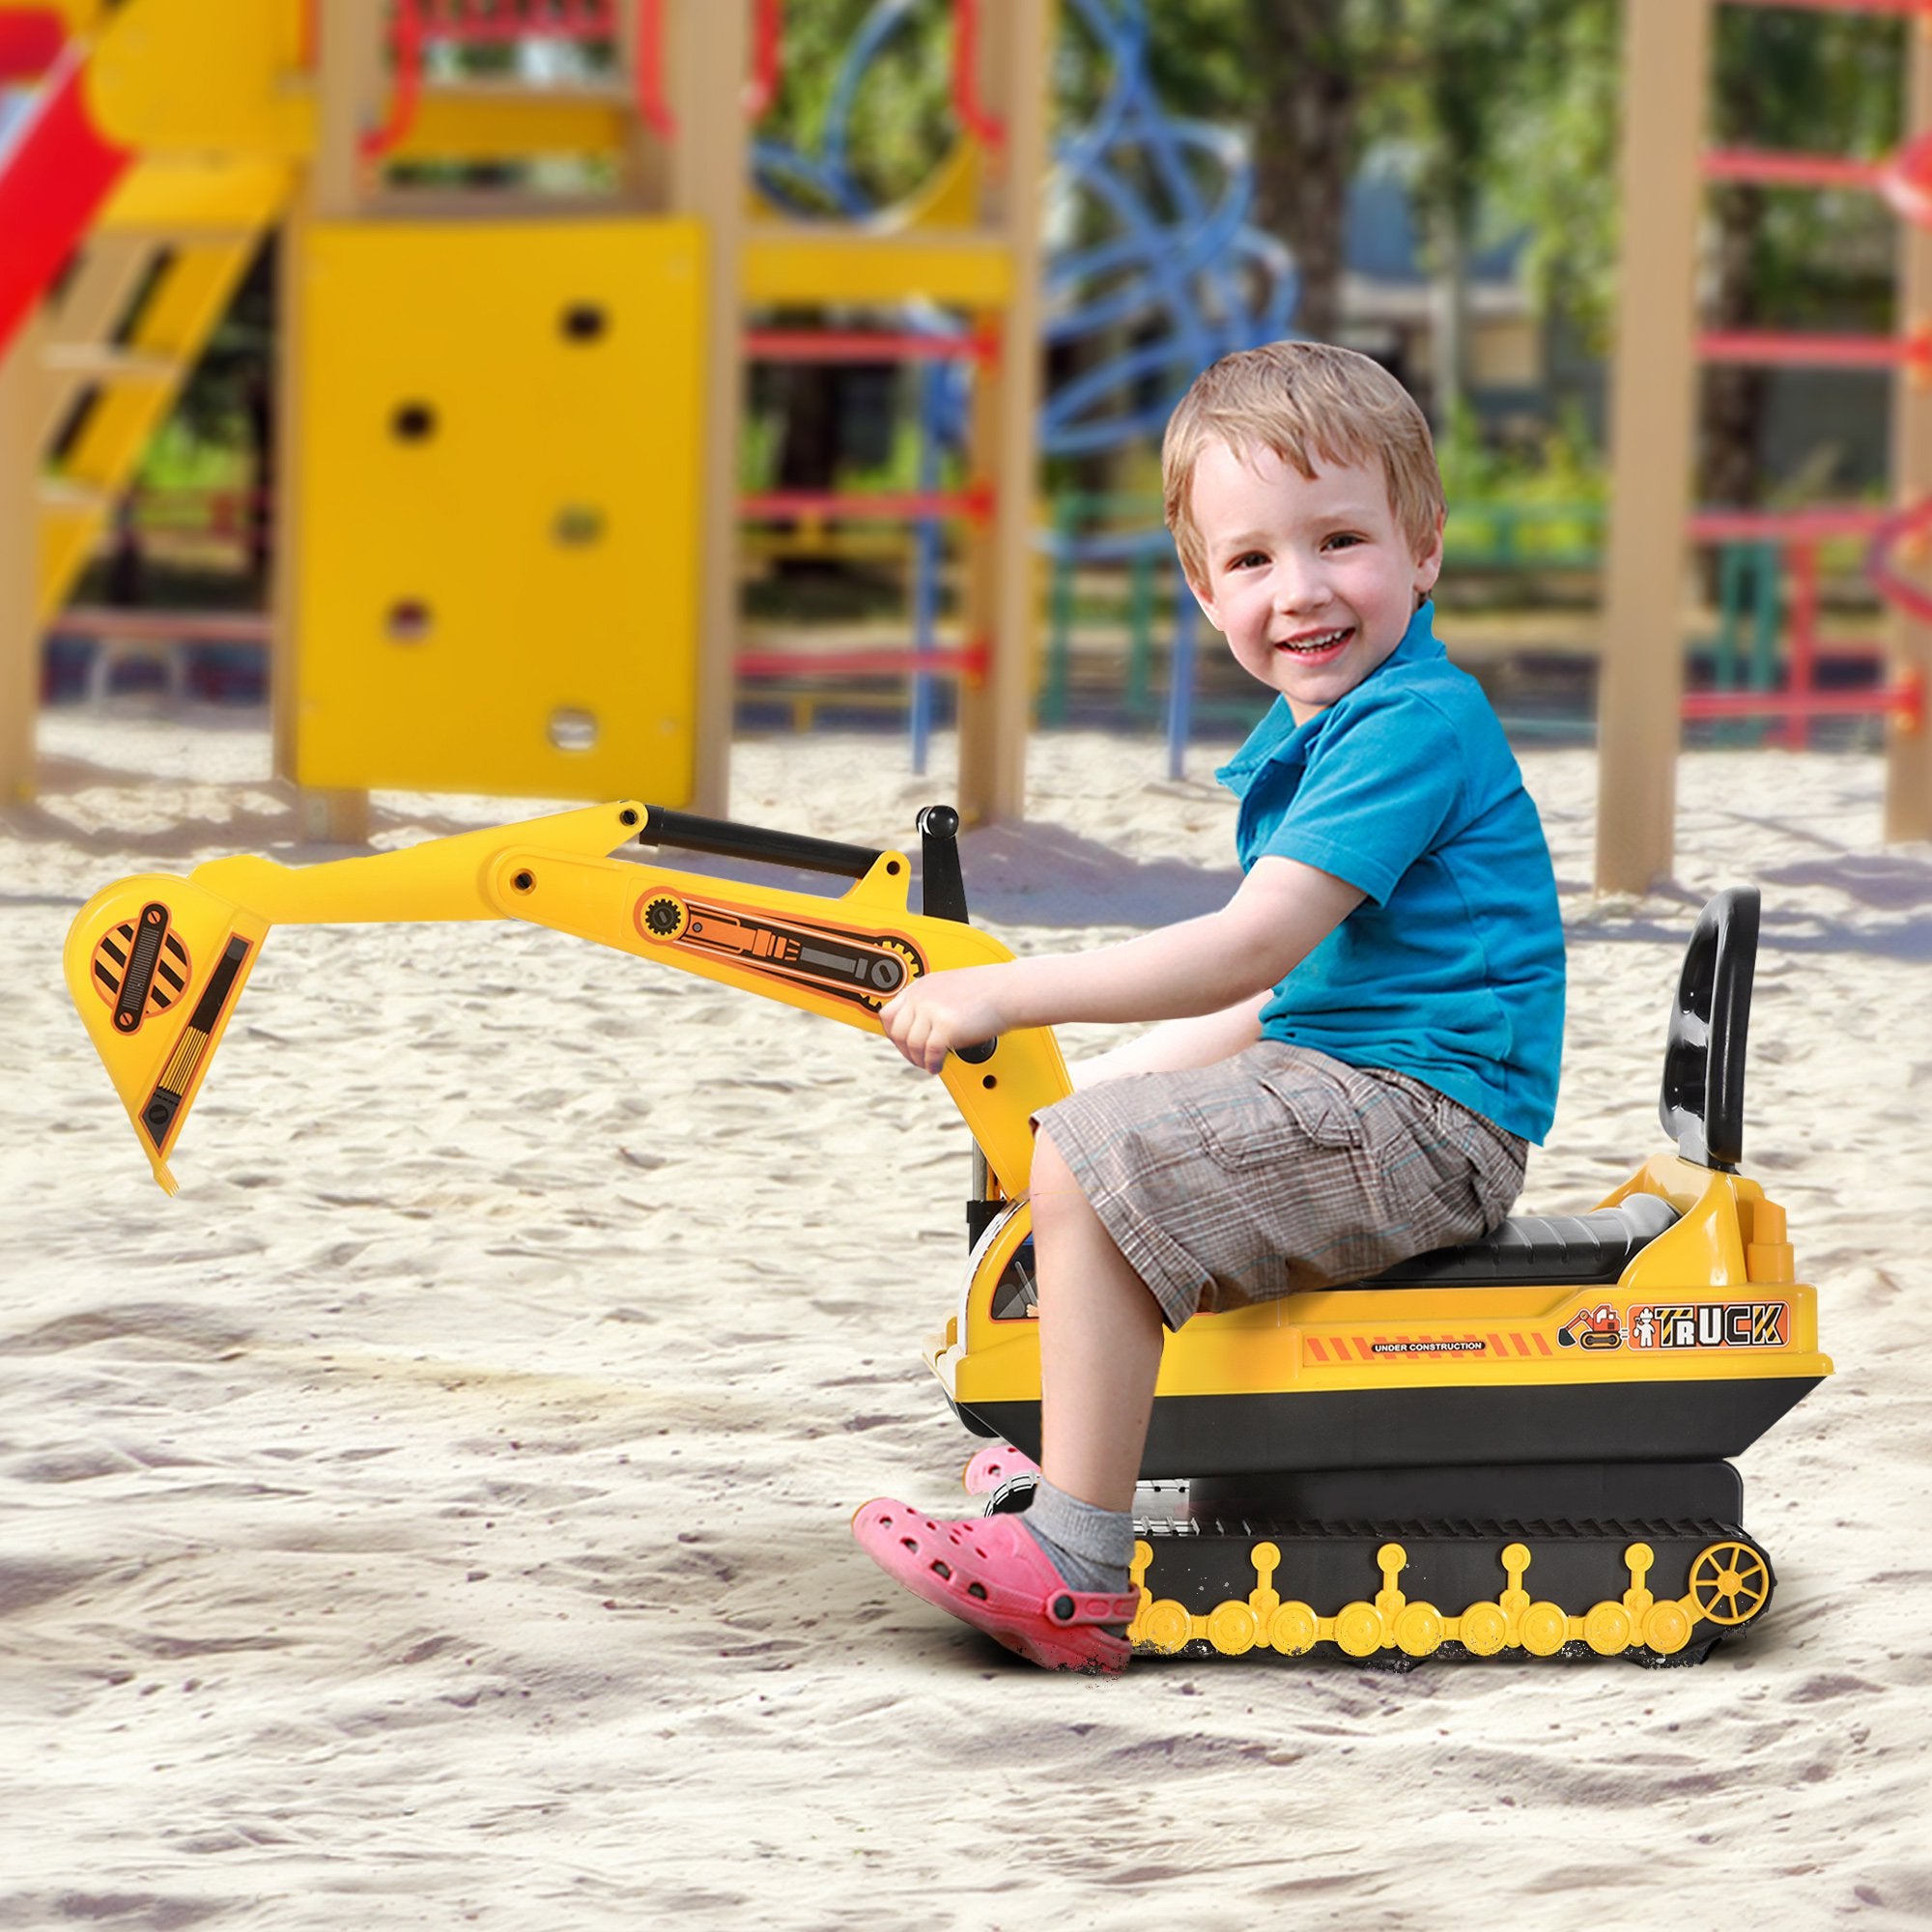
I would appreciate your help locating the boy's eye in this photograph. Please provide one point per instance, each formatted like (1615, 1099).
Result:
(1247, 561)
(1343, 540)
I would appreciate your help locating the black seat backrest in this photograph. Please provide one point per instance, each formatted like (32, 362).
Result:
(1702, 1106)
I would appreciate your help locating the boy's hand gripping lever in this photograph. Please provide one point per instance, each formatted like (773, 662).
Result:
(943, 893)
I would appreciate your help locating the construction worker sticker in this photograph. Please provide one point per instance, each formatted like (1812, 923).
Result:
(1681, 1324)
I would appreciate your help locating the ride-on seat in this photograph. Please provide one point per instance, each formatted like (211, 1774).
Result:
(1571, 1250)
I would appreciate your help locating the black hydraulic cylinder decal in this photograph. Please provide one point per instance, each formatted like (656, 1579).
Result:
(140, 977)
(868, 967)
(157, 1116)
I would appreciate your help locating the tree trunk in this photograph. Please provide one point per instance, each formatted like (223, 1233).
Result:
(1304, 144)
(1729, 469)
(1449, 297)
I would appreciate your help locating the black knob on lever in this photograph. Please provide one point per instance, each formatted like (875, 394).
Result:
(978, 1054)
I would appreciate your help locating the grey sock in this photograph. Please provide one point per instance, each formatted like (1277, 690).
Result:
(1091, 1547)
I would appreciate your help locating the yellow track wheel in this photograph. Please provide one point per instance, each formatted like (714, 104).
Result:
(1167, 1626)
(1358, 1629)
(1543, 1629)
(1666, 1629)
(1607, 1628)
(1729, 1582)
(1232, 1629)
(1483, 1630)
(1294, 1630)
(1419, 1628)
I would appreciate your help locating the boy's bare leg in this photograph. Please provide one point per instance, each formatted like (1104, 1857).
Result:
(1100, 1335)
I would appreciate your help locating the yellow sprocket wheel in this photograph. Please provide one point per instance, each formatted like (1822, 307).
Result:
(1729, 1582)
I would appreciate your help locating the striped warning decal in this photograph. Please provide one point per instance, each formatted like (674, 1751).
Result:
(177, 1079)
(1335, 1350)
(141, 969)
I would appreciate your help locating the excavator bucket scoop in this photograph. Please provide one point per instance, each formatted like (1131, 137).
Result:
(156, 965)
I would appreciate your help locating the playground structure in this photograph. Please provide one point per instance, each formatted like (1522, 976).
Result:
(532, 583)
(506, 474)
(1640, 696)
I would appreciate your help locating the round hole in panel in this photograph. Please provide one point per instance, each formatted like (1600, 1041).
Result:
(409, 621)
(412, 422)
(572, 730)
(585, 322)
(577, 524)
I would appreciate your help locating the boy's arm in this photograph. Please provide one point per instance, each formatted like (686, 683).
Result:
(1281, 912)
(1172, 1044)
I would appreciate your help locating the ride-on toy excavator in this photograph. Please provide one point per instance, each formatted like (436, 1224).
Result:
(1522, 1445)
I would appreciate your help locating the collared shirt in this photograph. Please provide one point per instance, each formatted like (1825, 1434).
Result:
(1451, 968)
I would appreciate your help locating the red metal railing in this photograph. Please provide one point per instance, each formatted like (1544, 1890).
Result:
(1801, 532)
(1814, 350)
(1766, 168)
(767, 57)
(967, 105)
(417, 23)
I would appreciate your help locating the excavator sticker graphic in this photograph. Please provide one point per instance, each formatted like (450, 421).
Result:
(1596, 1327)
(1306, 1458)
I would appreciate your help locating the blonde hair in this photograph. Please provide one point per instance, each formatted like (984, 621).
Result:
(1304, 400)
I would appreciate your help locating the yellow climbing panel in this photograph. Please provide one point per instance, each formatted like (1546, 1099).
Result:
(497, 499)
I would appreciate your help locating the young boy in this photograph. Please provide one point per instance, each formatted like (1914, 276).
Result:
(1358, 1046)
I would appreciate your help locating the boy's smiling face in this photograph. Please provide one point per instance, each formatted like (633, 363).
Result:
(1311, 578)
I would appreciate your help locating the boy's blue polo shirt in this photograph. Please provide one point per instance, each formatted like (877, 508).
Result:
(1451, 968)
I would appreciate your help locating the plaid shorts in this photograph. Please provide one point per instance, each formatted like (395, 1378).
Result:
(1279, 1170)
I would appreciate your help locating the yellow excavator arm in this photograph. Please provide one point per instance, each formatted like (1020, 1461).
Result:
(157, 964)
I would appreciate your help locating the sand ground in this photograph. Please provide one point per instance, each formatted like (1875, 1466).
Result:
(437, 1513)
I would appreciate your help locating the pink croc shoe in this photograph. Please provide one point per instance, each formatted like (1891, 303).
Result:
(993, 1465)
(989, 1573)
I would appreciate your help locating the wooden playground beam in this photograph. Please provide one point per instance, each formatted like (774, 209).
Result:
(707, 161)
(1907, 770)
(1014, 60)
(1640, 682)
(19, 563)
(348, 76)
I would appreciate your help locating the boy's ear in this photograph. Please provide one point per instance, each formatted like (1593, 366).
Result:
(1428, 564)
(1201, 598)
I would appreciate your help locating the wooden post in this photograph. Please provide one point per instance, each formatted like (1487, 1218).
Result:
(709, 152)
(1002, 606)
(1908, 763)
(1640, 684)
(19, 561)
(347, 80)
